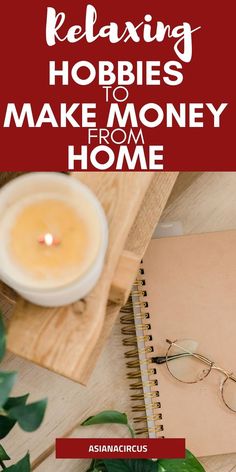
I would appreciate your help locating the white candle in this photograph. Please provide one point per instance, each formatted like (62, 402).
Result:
(53, 238)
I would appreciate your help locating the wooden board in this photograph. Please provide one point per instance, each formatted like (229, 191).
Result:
(136, 244)
(62, 339)
(183, 182)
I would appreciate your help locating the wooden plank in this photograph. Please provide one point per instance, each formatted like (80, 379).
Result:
(136, 244)
(150, 212)
(141, 232)
(184, 181)
(62, 339)
(123, 277)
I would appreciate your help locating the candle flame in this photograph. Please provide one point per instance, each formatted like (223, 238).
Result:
(48, 240)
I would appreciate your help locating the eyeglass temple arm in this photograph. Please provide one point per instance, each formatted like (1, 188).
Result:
(163, 359)
(159, 360)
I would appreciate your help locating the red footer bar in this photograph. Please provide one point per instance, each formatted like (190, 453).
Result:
(77, 448)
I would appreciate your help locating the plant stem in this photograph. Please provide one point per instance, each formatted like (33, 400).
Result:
(2, 465)
(131, 431)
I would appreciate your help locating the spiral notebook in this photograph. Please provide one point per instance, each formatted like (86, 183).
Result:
(185, 290)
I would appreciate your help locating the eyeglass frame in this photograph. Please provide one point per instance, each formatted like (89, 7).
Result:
(212, 366)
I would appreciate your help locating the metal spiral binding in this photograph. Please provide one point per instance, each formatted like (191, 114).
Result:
(138, 302)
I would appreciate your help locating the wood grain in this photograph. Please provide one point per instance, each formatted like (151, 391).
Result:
(183, 182)
(123, 277)
(150, 212)
(140, 234)
(137, 241)
(62, 339)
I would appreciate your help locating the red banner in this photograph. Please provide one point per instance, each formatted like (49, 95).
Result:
(120, 448)
(106, 86)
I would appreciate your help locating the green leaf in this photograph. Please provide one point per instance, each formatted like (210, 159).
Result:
(6, 424)
(2, 338)
(189, 464)
(3, 455)
(29, 416)
(97, 465)
(130, 465)
(7, 380)
(22, 466)
(15, 401)
(96, 470)
(109, 416)
(117, 465)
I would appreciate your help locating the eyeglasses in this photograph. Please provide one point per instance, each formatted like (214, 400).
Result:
(188, 366)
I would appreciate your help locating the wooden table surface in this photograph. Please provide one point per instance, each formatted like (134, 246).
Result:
(207, 204)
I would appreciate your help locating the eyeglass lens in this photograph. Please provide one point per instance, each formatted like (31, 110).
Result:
(184, 366)
(229, 393)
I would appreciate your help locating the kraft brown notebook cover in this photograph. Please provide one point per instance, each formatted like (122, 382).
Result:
(191, 293)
